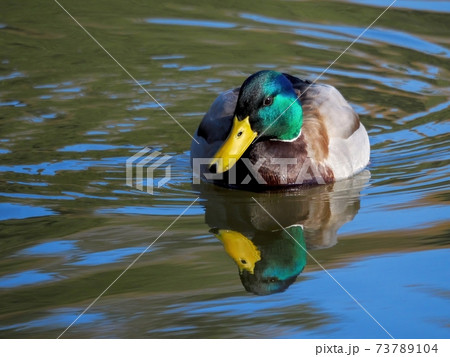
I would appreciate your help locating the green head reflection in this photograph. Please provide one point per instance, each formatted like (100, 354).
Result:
(270, 262)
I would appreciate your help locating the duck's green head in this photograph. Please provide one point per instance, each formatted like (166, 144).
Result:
(267, 108)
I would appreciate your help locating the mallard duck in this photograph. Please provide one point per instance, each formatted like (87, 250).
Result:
(279, 130)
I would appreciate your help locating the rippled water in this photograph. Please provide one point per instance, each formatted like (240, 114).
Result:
(70, 117)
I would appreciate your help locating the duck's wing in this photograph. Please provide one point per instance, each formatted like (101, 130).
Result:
(322, 102)
(331, 129)
(215, 125)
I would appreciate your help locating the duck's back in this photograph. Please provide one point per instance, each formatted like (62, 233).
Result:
(332, 131)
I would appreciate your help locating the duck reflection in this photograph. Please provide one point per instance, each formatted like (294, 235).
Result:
(268, 263)
(270, 252)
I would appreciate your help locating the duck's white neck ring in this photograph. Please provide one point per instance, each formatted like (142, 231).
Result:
(290, 140)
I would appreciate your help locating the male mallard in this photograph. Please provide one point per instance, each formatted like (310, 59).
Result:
(279, 130)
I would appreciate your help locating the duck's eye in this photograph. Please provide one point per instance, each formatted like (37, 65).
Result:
(239, 133)
(268, 101)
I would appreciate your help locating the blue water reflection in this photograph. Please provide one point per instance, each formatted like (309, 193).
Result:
(26, 278)
(410, 287)
(21, 211)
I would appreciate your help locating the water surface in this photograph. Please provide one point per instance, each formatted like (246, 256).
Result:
(70, 118)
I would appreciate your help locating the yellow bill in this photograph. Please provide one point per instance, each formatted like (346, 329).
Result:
(240, 138)
(240, 248)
